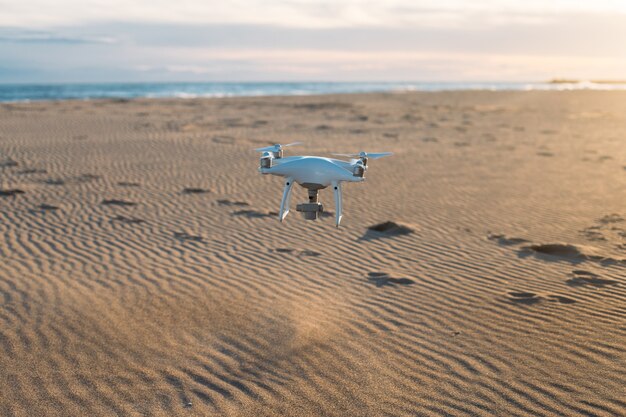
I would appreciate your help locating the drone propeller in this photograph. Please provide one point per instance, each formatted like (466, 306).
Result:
(365, 155)
(276, 148)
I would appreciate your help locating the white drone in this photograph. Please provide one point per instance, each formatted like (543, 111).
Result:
(313, 173)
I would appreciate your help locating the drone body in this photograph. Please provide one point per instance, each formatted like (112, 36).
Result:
(313, 173)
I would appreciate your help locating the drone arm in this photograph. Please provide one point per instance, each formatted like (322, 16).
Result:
(284, 204)
(338, 203)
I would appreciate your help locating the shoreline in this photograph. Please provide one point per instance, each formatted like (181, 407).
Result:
(55, 92)
(122, 100)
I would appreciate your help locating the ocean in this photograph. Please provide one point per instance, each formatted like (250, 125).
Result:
(36, 92)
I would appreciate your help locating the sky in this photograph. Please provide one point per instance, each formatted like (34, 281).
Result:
(46, 41)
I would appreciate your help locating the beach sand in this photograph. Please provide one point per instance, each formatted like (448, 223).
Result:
(143, 271)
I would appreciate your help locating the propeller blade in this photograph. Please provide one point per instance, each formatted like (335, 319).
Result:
(378, 155)
(364, 155)
(266, 149)
(277, 147)
(347, 155)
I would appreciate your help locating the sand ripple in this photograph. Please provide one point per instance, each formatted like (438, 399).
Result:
(143, 270)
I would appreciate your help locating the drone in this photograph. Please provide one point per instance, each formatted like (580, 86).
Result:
(313, 173)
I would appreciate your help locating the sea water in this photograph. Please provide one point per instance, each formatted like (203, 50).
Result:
(34, 92)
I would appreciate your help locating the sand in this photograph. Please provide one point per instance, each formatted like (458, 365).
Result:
(143, 271)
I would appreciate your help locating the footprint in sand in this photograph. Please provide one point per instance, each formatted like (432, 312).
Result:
(301, 253)
(284, 250)
(232, 203)
(530, 298)
(82, 178)
(585, 278)
(43, 208)
(521, 297)
(605, 228)
(11, 192)
(556, 252)
(54, 181)
(27, 171)
(192, 190)
(557, 249)
(8, 163)
(412, 118)
(382, 279)
(183, 236)
(506, 241)
(128, 184)
(229, 140)
(119, 203)
(252, 214)
(330, 105)
(593, 233)
(309, 253)
(127, 220)
(232, 122)
(86, 178)
(560, 299)
(610, 219)
(568, 253)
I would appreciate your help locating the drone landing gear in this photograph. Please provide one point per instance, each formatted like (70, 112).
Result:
(284, 204)
(338, 203)
(313, 208)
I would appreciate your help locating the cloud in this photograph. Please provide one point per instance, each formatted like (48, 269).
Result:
(29, 36)
(570, 45)
(581, 34)
(292, 13)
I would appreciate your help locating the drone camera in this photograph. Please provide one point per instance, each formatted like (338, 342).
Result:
(311, 211)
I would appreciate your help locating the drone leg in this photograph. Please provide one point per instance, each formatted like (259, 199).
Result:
(338, 204)
(284, 204)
